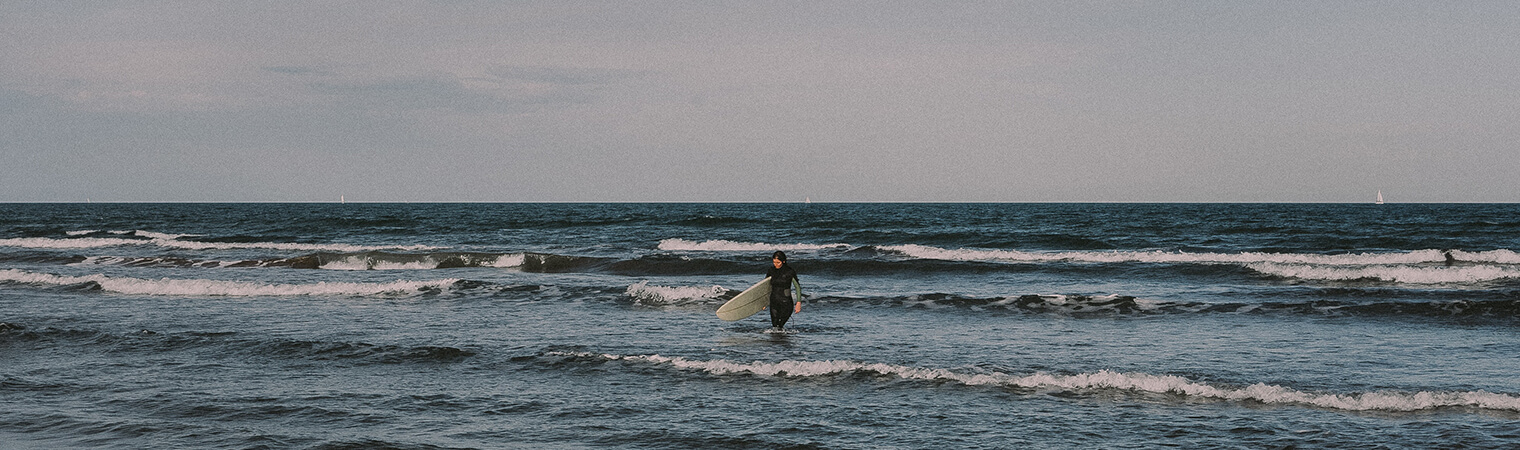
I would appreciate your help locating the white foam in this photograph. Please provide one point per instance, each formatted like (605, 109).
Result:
(731, 246)
(1391, 273)
(348, 263)
(66, 244)
(363, 262)
(174, 241)
(155, 235)
(1103, 379)
(99, 260)
(427, 263)
(1413, 257)
(344, 248)
(643, 293)
(104, 260)
(1501, 256)
(81, 232)
(509, 261)
(197, 287)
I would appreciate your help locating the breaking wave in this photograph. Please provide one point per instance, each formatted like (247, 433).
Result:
(177, 241)
(371, 260)
(394, 261)
(198, 287)
(646, 294)
(1412, 257)
(683, 245)
(374, 260)
(1503, 308)
(1394, 401)
(160, 261)
(1413, 267)
(1390, 273)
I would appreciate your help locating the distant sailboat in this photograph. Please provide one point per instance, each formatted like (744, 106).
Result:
(1380, 198)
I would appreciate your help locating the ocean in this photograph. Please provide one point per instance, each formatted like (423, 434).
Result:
(445, 326)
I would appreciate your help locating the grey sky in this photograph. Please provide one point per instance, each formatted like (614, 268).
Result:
(760, 101)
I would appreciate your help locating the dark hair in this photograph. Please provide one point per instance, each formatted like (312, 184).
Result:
(779, 255)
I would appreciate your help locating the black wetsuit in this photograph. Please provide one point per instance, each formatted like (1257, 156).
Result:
(781, 294)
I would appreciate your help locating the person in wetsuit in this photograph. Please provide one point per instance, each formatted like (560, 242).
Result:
(781, 304)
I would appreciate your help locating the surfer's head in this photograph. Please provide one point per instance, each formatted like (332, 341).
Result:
(778, 258)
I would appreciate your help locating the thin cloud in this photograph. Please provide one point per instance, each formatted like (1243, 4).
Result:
(568, 76)
(506, 89)
(443, 92)
(296, 70)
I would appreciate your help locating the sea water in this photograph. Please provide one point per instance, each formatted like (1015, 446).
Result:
(926, 326)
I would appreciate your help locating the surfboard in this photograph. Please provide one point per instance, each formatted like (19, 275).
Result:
(747, 303)
(754, 300)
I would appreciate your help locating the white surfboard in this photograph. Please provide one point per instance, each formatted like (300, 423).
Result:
(754, 300)
(747, 303)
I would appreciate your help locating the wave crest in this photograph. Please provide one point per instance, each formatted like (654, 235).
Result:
(177, 241)
(198, 287)
(1158, 256)
(1101, 380)
(682, 245)
(397, 261)
(1391, 273)
(646, 294)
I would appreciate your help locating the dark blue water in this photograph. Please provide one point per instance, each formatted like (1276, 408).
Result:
(926, 326)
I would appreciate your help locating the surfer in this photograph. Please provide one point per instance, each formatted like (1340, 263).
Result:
(781, 276)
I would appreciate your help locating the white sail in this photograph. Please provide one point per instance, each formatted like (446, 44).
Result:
(1380, 197)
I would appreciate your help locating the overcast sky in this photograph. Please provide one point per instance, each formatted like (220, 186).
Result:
(1044, 101)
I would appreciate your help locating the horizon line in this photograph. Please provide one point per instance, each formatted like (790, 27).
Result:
(800, 202)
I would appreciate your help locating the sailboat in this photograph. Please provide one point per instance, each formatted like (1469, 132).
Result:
(1380, 198)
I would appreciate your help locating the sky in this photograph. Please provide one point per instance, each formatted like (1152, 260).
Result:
(766, 101)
